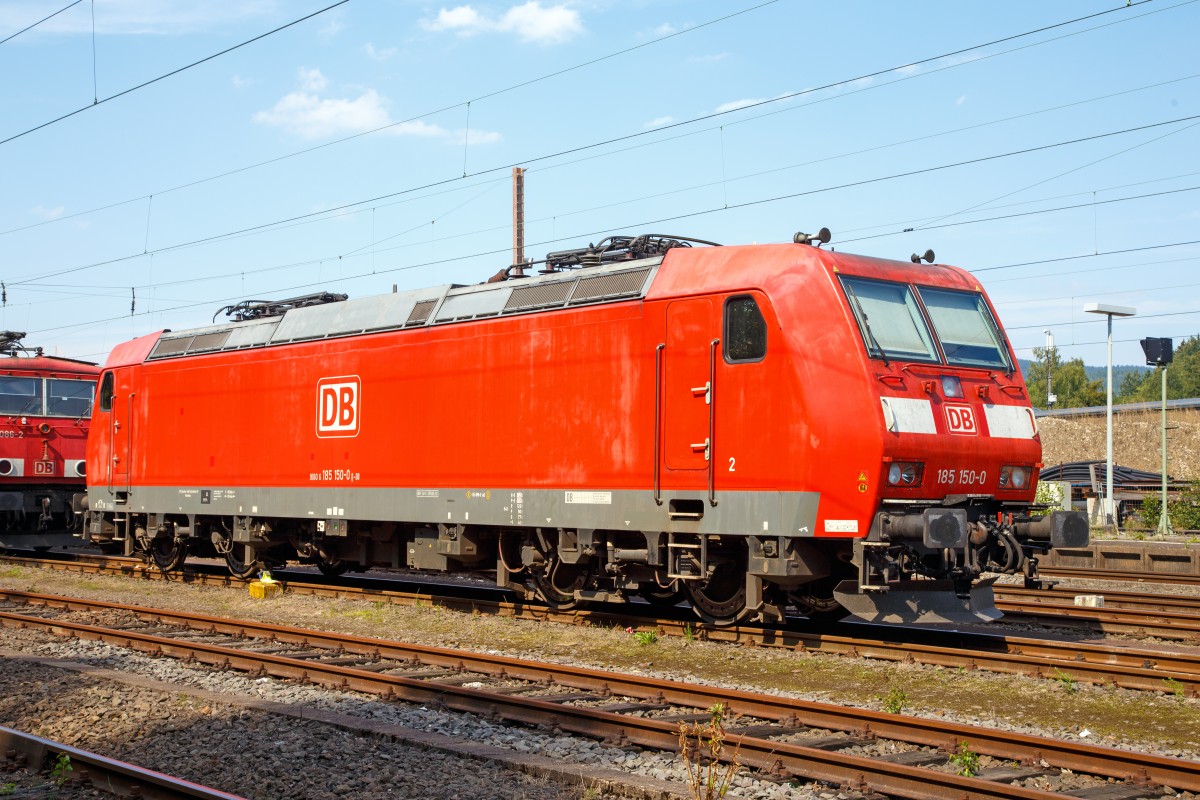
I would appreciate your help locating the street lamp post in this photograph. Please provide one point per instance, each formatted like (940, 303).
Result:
(1050, 396)
(1110, 509)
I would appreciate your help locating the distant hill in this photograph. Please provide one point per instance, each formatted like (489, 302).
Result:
(1097, 373)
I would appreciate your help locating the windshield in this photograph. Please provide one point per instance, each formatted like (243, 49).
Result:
(69, 398)
(890, 320)
(969, 335)
(895, 320)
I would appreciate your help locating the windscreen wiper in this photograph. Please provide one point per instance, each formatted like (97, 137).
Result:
(867, 324)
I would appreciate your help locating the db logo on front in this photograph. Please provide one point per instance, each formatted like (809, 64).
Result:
(961, 419)
(338, 406)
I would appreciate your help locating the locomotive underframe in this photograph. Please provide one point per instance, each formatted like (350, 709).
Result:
(39, 516)
(725, 576)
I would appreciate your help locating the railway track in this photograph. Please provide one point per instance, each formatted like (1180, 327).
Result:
(115, 777)
(1119, 663)
(1133, 576)
(782, 738)
(1162, 616)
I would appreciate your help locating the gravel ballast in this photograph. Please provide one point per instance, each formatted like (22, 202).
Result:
(293, 757)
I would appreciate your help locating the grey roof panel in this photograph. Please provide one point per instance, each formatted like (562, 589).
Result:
(380, 312)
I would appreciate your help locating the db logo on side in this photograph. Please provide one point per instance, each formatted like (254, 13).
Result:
(337, 406)
(961, 420)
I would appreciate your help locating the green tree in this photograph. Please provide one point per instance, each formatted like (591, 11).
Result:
(1130, 387)
(1183, 377)
(1068, 380)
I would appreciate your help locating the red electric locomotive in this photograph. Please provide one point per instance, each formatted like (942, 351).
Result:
(749, 428)
(45, 412)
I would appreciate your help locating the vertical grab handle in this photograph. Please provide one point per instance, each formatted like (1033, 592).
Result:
(113, 427)
(129, 442)
(658, 422)
(712, 410)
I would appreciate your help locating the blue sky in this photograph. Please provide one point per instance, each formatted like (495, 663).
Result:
(236, 178)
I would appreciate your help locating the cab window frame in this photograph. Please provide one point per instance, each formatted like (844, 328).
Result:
(728, 320)
(105, 390)
(16, 402)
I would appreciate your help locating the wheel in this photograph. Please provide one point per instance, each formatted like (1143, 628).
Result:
(556, 584)
(815, 604)
(332, 566)
(662, 597)
(721, 600)
(554, 581)
(168, 553)
(241, 561)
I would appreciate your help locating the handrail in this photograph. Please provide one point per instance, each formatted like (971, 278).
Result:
(712, 405)
(657, 422)
(129, 443)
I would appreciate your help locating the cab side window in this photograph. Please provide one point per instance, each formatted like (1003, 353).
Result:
(20, 395)
(745, 331)
(106, 392)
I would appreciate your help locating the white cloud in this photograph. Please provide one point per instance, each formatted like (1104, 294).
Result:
(378, 54)
(47, 213)
(474, 137)
(463, 19)
(658, 122)
(736, 104)
(962, 99)
(239, 82)
(531, 22)
(666, 29)
(311, 80)
(332, 27)
(312, 117)
(307, 114)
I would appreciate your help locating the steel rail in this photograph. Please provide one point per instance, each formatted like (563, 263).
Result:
(107, 774)
(1123, 665)
(1142, 601)
(775, 756)
(1137, 576)
(1164, 624)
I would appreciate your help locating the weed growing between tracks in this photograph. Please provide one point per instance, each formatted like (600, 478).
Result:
(966, 759)
(701, 747)
(894, 701)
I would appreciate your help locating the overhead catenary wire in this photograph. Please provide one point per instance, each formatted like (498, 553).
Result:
(671, 218)
(338, 257)
(166, 75)
(360, 134)
(40, 21)
(1067, 345)
(639, 134)
(328, 215)
(560, 214)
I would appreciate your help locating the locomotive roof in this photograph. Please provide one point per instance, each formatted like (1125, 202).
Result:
(439, 305)
(47, 365)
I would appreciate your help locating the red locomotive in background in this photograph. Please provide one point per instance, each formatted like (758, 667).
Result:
(45, 412)
(749, 428)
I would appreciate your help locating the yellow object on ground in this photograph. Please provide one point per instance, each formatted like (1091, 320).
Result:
(261, 590)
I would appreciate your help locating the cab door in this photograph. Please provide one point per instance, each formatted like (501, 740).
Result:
(687, 386)
(122, 404)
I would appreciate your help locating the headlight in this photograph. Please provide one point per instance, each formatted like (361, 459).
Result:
(905, 473)
(1014, 477)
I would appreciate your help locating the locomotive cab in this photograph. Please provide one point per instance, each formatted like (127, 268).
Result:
(960, 455)
(45, 405)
